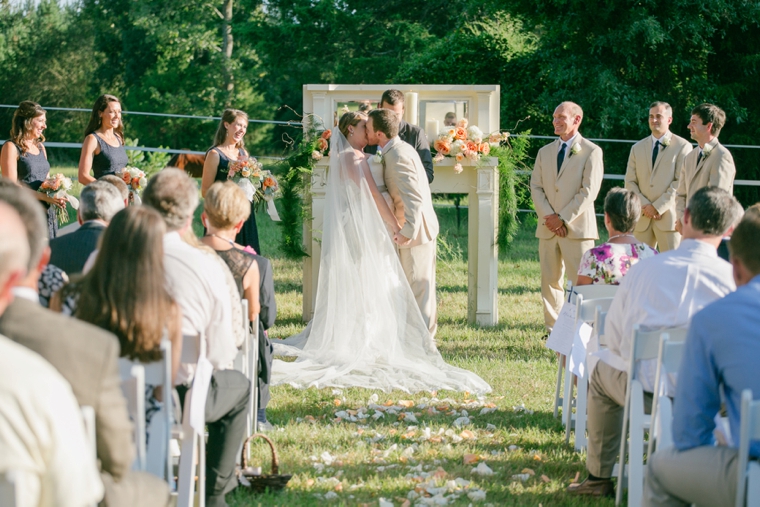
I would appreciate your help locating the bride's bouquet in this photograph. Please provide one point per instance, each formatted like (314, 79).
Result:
(256, 182)
(463, 143)
(135, 180)
(57, 186)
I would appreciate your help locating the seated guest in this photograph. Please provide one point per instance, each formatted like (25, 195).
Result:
(660, 292)
(43, 442)
(723, 247)
(721, 355)
(98, 203)
(609, 262)
(225, 209)
(198, 286)
(124, 292)
(73, 347)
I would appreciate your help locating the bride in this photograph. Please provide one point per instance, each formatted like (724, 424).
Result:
(367, 329)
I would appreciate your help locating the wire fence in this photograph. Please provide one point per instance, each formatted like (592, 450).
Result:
(751, 183)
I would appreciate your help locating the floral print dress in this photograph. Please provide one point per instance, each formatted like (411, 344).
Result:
(609, 262)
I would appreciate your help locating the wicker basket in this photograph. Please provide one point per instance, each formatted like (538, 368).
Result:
(260, 483)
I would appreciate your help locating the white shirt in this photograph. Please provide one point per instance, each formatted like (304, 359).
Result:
(569, 144)
(197, 283)
(42, 434)
(660, 140)
(664, 291)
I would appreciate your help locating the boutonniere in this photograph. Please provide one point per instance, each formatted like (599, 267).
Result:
(575, 149)
(379, 156)
(706, 151)
(665, 142)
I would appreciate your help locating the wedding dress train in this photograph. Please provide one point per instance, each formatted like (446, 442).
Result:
(367, 330)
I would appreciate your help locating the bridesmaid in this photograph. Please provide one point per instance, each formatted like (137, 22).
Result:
(23, 158)
(103, 148)
(229, 146)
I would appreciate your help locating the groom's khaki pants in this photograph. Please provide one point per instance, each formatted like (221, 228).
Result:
(418, 263)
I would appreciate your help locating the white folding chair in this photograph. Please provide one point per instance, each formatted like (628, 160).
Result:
(571, 293)
(10, 494)
(88, 415)
(668, 361)
(192, 441)
(253, 367)
(585, 311)
(748, 483)
(134, 377)
(645, 345)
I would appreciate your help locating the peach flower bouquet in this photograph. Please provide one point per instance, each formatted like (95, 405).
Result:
(464, 142)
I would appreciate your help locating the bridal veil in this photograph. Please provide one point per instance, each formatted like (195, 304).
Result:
(367, 330)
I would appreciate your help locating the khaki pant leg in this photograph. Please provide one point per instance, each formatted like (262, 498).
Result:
(647, 235)
(418, 264)
(572, 251)
(667, 240)
(606, 397)
(704, 476)
(135, 488)
(552, 272)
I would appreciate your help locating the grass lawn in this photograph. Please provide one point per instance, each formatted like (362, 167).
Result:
(338, 462)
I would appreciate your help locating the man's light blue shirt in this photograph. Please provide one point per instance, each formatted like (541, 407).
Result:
(722, 348)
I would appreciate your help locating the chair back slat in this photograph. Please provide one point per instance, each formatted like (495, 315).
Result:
(592, 291)
(749, 430)
(672, 353)
(646, 344)
(585, 308)
(600, 318)
(9, 491)
(191, 349)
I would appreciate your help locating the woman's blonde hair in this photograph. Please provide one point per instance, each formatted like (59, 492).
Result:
(226, 205)
(350, 119)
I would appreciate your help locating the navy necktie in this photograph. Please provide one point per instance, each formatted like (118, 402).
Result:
(699, 157)
(561, 156)
(655, 152)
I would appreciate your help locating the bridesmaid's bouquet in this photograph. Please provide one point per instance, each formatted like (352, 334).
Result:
(257, 183)
(135, 180)
(57, 186)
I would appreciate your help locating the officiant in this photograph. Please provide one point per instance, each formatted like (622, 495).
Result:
(412, 134)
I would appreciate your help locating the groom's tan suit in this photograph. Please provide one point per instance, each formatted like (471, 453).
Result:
(715, 170)
(657, 185)
(569, 192)
(409, 189)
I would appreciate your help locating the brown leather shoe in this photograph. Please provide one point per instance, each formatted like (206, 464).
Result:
(603, 487)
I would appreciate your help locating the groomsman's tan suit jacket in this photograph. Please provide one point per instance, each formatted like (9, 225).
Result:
(715, 170)
(571, 192)
(657, 185)
(409, 189)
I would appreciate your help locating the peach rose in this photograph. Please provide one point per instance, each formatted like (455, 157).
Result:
(326, 134)
(322, 143)
(473, 155)
(316, 155)
(484, 148)
(442, 145)
(461, 133)
(438, 157)
(471, 146)
(462, 123)
(458, 168)
(126, 177)
(494, 138)
(460, 156)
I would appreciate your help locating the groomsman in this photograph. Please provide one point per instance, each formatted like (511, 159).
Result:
(654, 167)
(564, 185)
(710, 164)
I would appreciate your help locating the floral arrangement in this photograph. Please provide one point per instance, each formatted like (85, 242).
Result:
(135, 180)
(321, 145)
(57, 186)
(465, 143)
(250, 175)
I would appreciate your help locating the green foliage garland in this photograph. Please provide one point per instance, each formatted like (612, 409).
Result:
(512, 155)
(295, 184)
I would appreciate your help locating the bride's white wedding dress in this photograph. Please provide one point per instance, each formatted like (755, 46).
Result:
(367, 330)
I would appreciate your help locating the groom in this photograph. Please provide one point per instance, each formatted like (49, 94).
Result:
(408, 186)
